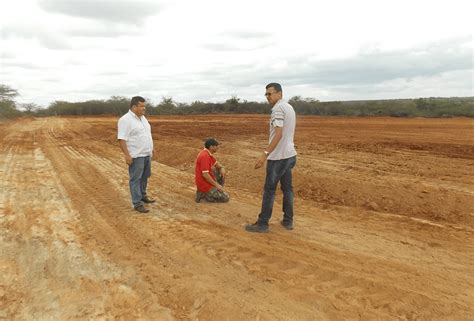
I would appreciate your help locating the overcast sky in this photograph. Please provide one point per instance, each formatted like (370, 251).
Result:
(210, 50)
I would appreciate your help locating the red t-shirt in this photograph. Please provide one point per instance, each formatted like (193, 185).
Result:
(204, 163)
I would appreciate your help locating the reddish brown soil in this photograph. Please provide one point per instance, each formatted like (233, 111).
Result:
(384, 223)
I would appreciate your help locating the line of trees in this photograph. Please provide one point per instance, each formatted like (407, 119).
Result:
(421, 107)
(118, 105)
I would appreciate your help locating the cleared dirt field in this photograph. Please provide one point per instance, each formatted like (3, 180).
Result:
(384, 223)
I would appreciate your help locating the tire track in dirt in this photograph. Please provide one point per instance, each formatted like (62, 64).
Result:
(363, 281)
(323, 274)
(47, 273)
(190, 261)
(119, 235)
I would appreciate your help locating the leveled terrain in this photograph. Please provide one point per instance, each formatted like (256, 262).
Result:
(384, 223)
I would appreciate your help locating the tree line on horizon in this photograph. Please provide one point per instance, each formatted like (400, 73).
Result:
(119, 105)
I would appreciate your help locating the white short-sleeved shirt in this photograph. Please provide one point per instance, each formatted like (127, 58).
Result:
(136, 132)
(283, 115)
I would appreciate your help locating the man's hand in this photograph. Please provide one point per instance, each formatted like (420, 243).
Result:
(123, 146)
(128, 159)
(222, 170)
(220, 188)
(260, 161)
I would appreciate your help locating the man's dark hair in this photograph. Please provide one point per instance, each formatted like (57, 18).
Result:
(275, 85)
(210, 142)
(135, 100)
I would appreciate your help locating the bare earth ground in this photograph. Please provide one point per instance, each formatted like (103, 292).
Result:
(384, 223)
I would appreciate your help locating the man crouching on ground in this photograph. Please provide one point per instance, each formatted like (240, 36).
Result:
(209, 175)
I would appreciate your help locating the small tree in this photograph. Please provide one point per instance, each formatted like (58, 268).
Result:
(166, 106)
(7, 93)
(30, 108)
(232, 104)
(7, 103)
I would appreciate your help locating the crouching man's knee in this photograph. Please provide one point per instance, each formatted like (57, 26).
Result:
(225, 198)
(218, 196)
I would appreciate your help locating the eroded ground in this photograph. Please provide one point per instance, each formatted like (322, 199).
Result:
(384, 225)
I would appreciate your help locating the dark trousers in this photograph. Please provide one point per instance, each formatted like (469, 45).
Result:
(278, 171)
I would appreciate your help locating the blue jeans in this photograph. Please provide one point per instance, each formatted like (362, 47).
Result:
(278, 171)
(139, 171)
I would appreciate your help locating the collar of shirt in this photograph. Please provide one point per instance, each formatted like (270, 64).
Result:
(208, 151)
(135, 115)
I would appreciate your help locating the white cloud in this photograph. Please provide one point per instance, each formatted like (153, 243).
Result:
(209, 50)
(129, 12)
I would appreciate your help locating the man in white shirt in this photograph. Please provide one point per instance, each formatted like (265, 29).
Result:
(136, 142)
(280, 155)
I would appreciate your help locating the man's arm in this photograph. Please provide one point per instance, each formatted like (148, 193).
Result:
(276, 139)
(273, 144)
(220, 168)
(123, 146)
(209, 179)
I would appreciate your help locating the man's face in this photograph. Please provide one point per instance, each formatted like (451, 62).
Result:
(139, 109)
(272, 95)
(213, 148)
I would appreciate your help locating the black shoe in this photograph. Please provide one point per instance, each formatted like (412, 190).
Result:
(148, 200)
(287, 225)
(141, 209)
(257, 228)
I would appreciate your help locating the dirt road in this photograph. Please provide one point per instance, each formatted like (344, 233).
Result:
(384, 223)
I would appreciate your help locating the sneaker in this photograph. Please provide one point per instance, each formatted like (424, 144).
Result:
(257, 228)
(148, 200)
(287, 225)
(141, 209)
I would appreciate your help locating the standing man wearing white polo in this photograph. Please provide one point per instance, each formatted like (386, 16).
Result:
(280, 156)
(136, 142)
